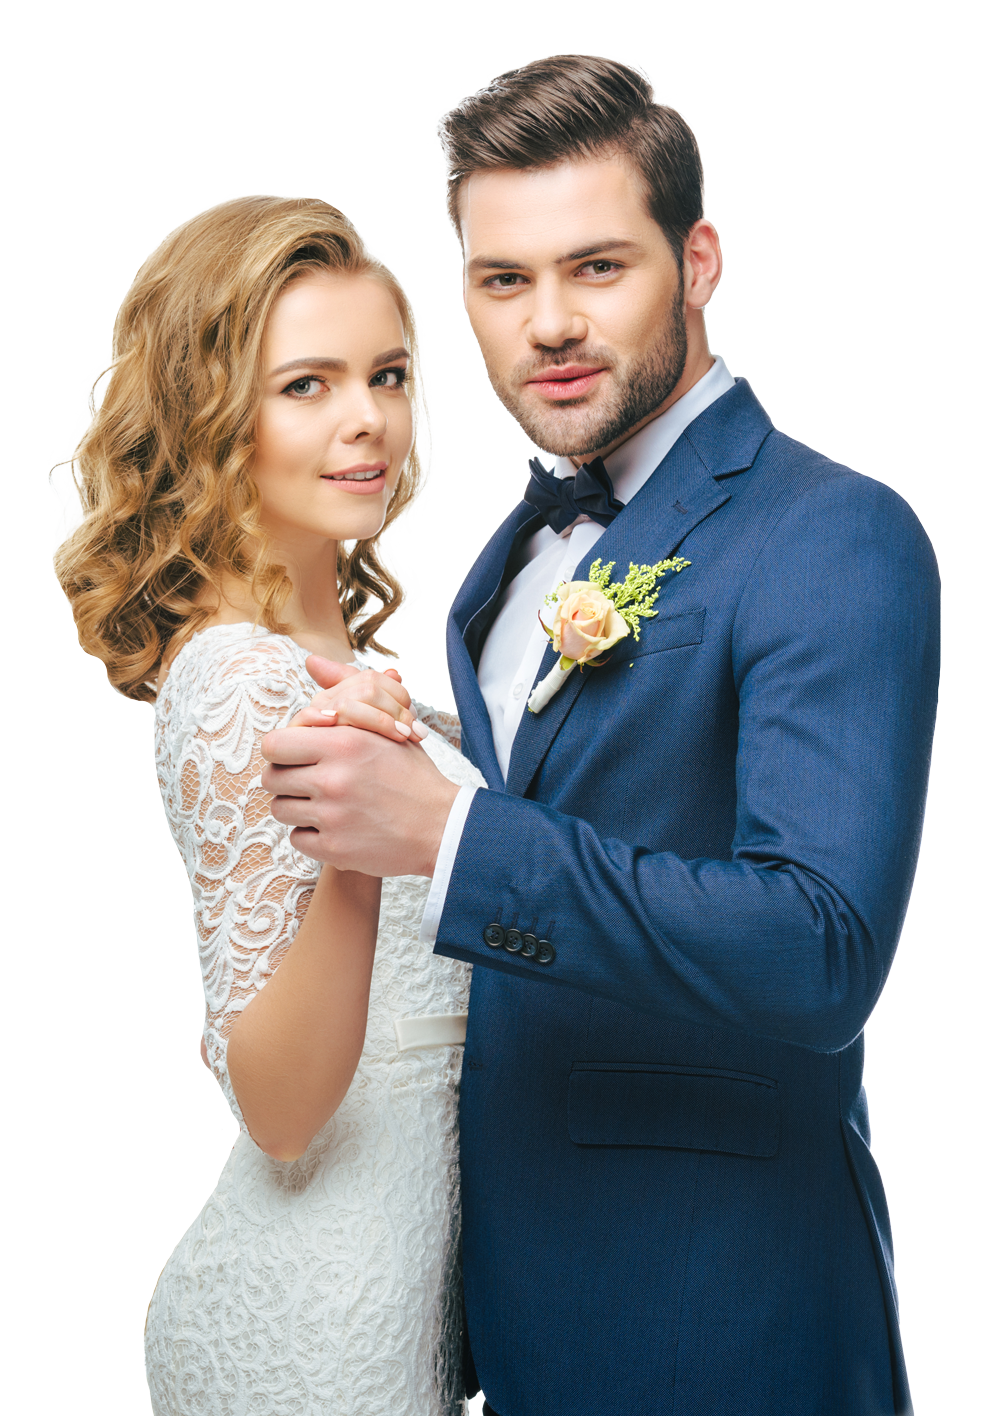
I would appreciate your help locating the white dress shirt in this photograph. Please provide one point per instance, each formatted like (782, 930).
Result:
(516, 641)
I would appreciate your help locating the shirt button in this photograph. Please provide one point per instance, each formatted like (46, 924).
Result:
(518, 690)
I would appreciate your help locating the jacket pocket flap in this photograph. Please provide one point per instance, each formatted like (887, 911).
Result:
(668, 632)
(680, 1108)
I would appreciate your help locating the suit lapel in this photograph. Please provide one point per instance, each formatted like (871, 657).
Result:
(471, 616)
(682, 492)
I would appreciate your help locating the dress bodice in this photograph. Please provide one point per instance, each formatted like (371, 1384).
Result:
(329, 1283)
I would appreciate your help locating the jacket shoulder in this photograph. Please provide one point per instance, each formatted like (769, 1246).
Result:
(811, 489)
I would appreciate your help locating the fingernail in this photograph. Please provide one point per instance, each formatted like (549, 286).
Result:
(328, 712)
(402, 728)
(420, 729)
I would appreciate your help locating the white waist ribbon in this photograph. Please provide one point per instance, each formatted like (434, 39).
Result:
(433, 1030)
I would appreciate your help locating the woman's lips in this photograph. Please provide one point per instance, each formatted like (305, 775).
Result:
(363, 480)
(569, 381)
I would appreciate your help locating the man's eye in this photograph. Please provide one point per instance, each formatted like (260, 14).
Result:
(389, 378)
(506, 280)
(304, 387)
(601, 267)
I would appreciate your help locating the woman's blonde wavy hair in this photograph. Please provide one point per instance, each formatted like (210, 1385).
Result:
(163, 471)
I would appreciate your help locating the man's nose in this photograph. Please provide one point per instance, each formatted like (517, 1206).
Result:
(555, 319)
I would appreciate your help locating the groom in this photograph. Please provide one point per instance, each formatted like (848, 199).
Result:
(686, 882)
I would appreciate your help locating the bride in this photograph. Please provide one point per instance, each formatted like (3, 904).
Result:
(255, 438)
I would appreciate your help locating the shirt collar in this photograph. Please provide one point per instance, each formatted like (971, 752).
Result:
(631, 465)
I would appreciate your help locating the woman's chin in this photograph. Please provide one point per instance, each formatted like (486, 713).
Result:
(348, 524)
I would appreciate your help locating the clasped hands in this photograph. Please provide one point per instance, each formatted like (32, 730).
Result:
(361, 795)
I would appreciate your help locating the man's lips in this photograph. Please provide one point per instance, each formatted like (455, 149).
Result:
(363, 477)
(566, 381)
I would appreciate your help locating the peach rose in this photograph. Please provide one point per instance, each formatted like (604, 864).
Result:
(585, 622)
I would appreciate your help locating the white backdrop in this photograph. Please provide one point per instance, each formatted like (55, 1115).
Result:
(845, 154)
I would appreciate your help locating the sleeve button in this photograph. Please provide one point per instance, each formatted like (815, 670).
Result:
(546, 954)
(512, 941)
(493, 935)
(529, 946)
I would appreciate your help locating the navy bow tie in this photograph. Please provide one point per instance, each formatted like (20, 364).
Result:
(562, 500)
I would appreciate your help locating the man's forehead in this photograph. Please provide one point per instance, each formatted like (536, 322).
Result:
(548, 213)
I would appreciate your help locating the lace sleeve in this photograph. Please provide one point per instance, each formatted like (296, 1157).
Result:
(447, 724)
(251, 889)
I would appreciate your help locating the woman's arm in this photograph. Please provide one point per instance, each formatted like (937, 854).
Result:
(294, 1049)
(286, 953)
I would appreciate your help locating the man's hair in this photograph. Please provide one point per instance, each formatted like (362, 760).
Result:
(574, 106)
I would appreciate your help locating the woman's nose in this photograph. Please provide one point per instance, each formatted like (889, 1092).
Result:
(361, 416)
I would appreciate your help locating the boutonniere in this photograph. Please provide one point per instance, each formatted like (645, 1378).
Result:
(591, 616)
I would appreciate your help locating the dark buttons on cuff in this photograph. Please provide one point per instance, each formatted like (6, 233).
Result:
(545, 954)
(494, 935)
(512, 941)
(529, 946)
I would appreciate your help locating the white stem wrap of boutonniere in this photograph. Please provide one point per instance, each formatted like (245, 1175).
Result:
(589, 617)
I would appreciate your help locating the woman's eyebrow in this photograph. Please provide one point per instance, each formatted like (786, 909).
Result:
(337, 366)
(389, 355)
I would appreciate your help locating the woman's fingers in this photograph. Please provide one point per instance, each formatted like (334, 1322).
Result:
(327, 672)
(354, 713)
(378, 690)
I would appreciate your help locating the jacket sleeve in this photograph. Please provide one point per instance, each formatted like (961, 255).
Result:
(835, 660)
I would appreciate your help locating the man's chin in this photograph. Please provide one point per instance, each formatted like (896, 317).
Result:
(571, 430)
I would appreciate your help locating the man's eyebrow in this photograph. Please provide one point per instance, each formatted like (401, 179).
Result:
(612, 243)
(490, 263)
(337, 366)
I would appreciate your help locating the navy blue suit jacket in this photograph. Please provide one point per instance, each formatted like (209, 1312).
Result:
(669, 1203)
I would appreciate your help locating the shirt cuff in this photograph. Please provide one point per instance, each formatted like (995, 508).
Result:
(447, 851)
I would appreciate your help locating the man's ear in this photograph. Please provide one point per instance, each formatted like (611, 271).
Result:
(702, 264)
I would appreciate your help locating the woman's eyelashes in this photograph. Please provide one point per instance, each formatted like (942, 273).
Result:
(304, 387)
(310, 386)
(390, 378)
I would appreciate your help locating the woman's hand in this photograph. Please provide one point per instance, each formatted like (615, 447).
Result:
(359, 698)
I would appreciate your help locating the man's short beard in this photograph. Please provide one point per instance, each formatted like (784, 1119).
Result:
(637, 390)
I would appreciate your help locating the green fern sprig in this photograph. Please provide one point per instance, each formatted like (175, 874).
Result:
(635, 596)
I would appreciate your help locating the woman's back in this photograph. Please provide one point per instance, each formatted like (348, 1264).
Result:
(329, 1283)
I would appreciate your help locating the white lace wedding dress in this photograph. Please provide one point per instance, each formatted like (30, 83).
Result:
(325, 1286)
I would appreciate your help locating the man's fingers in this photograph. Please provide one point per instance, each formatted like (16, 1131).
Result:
(294, 811)
(291, 747)
(327, 672)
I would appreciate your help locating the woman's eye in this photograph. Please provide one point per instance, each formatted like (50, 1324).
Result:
(389, 378)
(305, 387)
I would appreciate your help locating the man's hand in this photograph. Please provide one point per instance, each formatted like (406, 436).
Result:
(357, 801)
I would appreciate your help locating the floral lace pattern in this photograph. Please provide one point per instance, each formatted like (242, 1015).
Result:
(327, 1284)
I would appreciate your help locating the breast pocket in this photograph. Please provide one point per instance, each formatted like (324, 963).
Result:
(670, 632)
(680, 1108)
